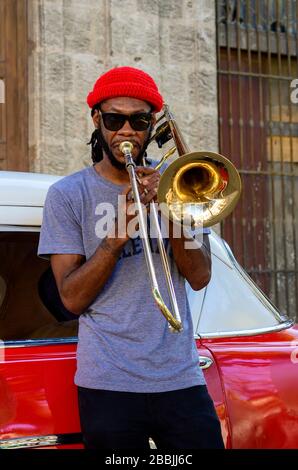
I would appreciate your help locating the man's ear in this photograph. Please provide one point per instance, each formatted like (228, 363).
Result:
(96, 119)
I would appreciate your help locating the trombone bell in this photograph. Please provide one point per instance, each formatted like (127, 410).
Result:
(199, 189)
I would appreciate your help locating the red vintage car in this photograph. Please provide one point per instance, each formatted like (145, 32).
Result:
(248, 350)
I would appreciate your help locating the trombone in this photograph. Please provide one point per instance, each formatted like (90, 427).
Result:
(199, 188)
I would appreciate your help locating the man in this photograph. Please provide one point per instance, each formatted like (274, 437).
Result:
(135, 378)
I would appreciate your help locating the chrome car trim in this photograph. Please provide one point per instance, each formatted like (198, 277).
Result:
(201, 309)
(37, 342)
(22, 205)
(19, 228)
(41, 441)
(74, 339)
(221, 259)
(205, 362)
(256, 331)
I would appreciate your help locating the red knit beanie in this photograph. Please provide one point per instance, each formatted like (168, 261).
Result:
(125, 81)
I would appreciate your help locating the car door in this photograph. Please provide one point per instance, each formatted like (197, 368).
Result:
(259, 377)
(254, 349)
(38, 399)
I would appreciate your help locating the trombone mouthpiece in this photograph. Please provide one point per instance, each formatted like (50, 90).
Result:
(126, 147)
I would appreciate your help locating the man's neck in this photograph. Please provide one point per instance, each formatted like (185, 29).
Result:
(105, 169)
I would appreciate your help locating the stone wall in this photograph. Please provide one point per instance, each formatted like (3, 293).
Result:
(72, 42)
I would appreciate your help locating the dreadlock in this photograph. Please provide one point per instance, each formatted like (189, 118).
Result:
(96, 148)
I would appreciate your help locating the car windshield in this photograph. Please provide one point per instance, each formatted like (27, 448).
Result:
(231, 303)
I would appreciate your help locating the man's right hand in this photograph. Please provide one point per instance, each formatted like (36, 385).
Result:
(148, 180)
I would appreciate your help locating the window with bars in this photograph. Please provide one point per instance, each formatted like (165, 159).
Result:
(264, 15)
(257, 62)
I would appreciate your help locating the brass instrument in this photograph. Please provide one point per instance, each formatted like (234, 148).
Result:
(197, 189)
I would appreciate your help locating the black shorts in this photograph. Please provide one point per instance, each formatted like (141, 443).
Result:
(180, 419)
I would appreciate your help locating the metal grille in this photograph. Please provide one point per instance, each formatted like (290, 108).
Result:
(257, 63)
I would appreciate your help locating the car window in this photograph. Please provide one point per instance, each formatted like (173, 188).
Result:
(22, 312)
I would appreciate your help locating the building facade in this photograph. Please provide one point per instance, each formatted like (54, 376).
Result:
(71, 43)
(225, 67)
(257, 47)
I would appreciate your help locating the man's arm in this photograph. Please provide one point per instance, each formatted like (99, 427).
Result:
(193, 264)
(79, 282)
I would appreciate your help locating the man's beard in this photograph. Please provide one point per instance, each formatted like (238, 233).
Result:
(110, 155)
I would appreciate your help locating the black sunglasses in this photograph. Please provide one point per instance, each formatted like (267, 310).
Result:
(137, 121)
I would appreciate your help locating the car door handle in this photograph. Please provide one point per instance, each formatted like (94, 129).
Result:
(205, 362)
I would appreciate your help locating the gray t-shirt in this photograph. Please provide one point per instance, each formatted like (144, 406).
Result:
(124, 341)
